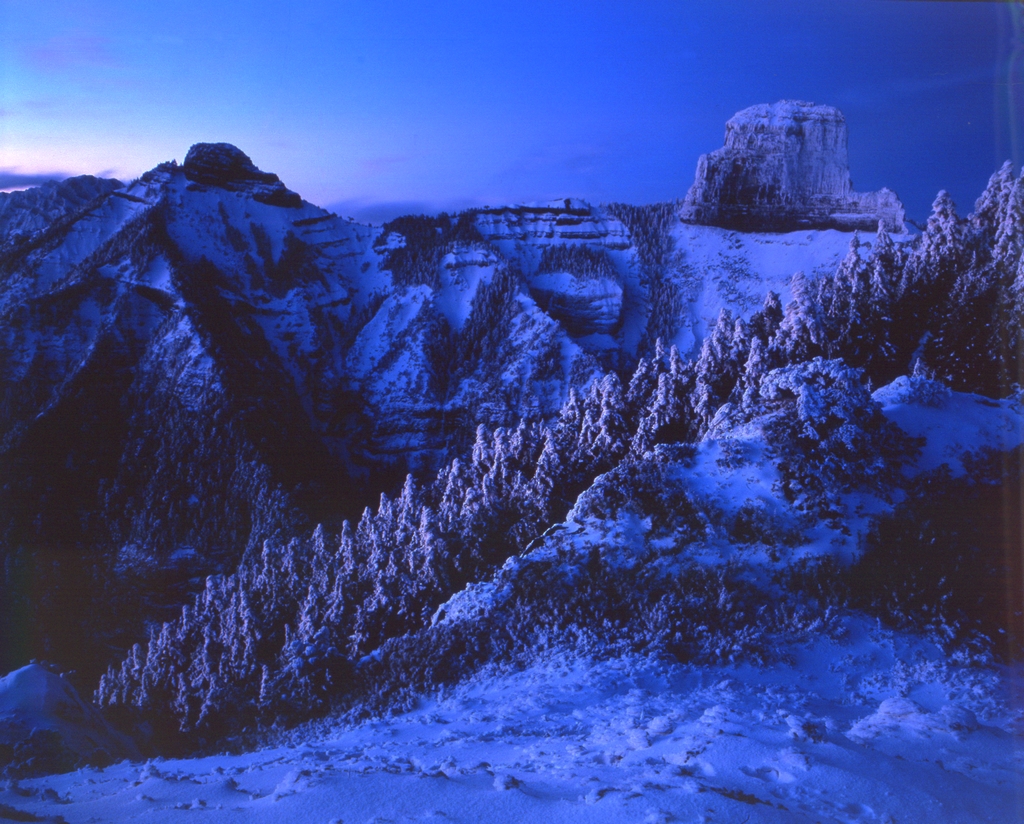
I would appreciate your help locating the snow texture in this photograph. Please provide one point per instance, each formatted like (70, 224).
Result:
(865, 726)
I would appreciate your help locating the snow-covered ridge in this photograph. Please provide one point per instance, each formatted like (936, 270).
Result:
(733, 480)
(25, 212)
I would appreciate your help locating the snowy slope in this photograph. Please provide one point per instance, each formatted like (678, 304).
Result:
(726, 501)
(34, 699)
(859, 725)
(721, 269)
(925, 409)
(26, 212)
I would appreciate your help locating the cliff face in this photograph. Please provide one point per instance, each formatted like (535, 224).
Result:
(785, 167)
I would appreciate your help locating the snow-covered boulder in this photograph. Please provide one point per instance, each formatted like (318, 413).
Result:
(45, 726)
(785, 167)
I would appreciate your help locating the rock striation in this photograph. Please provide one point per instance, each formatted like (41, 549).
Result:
(228, 167)
(584, 306)
(784, 167)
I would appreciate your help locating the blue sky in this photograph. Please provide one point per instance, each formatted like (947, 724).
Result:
(377, 108)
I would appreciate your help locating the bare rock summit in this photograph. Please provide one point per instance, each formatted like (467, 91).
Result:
(228, 167)
(784, 167)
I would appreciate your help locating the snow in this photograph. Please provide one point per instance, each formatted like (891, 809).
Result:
(954, 423)
(854, 726)
(462, 273)
(157, 274)
(391, 320)
(721, 269)
(713, 268)
(83, 237)
(33, 698)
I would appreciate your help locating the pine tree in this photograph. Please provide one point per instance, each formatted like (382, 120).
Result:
(669, 416)
(717, 369)
(641, 387)
(1009, 239)
(548, 480)
(872, 335)
(611, 440)
(481, 451)
(570, 418)
(967, 346)
(764, 323)
(939, 255)
(800, 335)
(990, 209)
(755, 368)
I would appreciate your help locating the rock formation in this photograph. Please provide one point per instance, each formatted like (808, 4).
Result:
(784, 167)
(224, 165)
(582, 306)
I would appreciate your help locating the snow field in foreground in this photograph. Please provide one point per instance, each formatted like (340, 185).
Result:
(870, 727)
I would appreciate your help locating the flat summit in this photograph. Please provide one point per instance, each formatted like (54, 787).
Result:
(784, 167)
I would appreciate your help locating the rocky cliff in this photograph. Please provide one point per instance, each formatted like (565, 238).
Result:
(784, 167)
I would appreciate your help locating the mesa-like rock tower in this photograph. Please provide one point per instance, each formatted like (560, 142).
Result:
(785, 167)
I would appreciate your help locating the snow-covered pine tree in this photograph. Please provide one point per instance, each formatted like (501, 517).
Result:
(611, 442)
(938, 259)
(765, 322)
(990, 208)
(754, 370)
(968, 349)
(1009, 237)
(800, 334)
(669, 417)
(717, 370)
(482, 455)
(884, 279)
(641, 387)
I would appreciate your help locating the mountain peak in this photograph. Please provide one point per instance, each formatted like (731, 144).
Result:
(228, 167)
(784, 167)
(219, 163)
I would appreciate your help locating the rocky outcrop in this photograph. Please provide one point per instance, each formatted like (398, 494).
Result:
(582, 306)
(560, 221)
(784, 167)
(228, 167)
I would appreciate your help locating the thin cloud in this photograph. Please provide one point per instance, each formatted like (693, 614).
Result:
(11, 179)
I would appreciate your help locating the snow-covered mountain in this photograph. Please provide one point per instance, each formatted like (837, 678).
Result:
(635, 442)
(195, 359)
